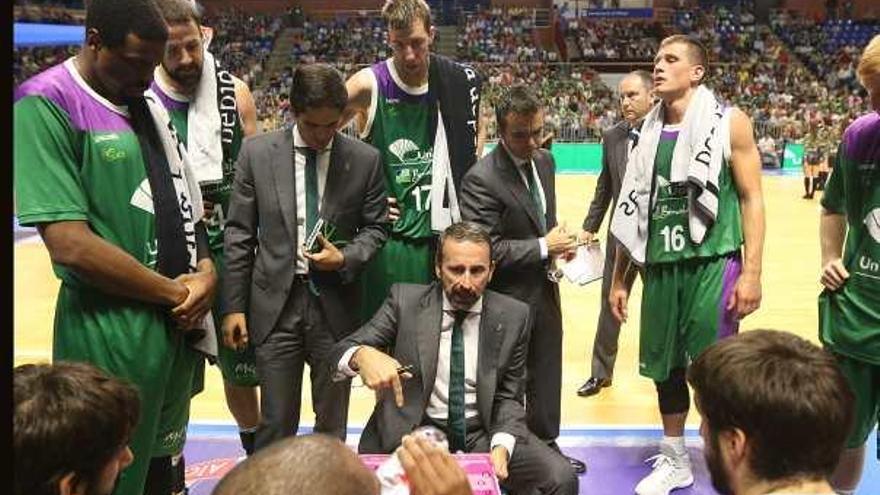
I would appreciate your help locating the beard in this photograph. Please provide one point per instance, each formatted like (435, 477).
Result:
(462, 298)
(712, 454)
(186, 76)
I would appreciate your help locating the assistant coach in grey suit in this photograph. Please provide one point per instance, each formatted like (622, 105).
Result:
(292, 304)
(512, 192)
(467, 349)
(635, 101)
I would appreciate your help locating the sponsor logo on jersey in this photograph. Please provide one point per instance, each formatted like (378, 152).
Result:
(407, 152)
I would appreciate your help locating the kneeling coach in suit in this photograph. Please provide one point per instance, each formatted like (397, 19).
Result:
(467, 351)
(294, 304)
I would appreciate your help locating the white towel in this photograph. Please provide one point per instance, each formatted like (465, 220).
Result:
(191, 207)
(442, 184)
(702, 144)
(203, 126)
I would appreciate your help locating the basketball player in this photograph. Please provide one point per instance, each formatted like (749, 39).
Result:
(398, 105)
(699, 236)
(849, 306)
(179, 81)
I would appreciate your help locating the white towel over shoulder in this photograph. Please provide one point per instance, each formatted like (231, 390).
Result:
(702, 145)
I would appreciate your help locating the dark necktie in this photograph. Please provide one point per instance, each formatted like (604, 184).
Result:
(455, 419)
(311, 189)
(536, 195)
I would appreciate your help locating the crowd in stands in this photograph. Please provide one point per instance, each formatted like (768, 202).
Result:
(758, 70)
(501, 36)
(612, 40)
(49, 13)
(243, 42)
(795, 77)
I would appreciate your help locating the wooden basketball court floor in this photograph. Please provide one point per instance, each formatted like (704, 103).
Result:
(790, 287)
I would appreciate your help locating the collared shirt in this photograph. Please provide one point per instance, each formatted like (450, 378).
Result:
(299, 166)
(525, 167)
(438, 402)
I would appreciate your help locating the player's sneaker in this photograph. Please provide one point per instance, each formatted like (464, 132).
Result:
(671, 471)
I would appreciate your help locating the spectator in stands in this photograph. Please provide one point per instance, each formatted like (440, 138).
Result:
(776, 412)
(71, 427)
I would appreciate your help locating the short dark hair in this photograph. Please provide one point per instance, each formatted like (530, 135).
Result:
(69, 417)
(696, 51)
(786, 394)
(464, 231)
(181, 11)
(114, 19)
(298, 465)
(519, 99)
(315, 86)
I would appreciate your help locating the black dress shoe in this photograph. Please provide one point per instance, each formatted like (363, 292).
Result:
(578, 466)
(593, 386)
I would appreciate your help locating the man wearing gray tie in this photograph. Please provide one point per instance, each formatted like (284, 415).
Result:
(636, 100)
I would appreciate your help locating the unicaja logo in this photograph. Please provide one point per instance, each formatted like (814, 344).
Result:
(402, 147)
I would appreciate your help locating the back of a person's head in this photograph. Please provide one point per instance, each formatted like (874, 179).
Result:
(301, 465)
(787, 395)
(68, 418)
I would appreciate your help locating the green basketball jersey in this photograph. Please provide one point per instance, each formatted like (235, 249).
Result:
(401, 129)
(669, 239)
(850, 317)
(77, 158)
(219, 193)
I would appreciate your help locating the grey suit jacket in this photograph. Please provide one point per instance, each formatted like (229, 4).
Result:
(260, 239)
(494, 194)
(409, 324)
(614, 144)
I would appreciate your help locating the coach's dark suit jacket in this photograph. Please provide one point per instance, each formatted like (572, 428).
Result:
(495, 195)
(614, 144)
(261, 232)
(615, 141)
(409, 323)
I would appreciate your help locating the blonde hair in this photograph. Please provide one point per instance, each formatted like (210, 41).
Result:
(870, 63)
(400, 14)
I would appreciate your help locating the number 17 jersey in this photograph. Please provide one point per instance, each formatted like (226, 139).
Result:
(400, 126)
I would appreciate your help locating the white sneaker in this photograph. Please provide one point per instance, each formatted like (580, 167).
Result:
(671, 471)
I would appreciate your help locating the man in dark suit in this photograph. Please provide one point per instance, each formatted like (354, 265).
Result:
(512, 192)
(466, 349)
(291, 301)
(636, 99)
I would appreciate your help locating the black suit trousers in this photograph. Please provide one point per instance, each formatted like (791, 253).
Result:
(544, 366)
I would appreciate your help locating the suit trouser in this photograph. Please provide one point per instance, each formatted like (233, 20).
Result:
(301, 335)
(544, 366)
(608, 328)
(533, 467)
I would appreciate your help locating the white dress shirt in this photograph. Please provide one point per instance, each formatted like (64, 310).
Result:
(299, 168)
(525, 167)
(438, 403)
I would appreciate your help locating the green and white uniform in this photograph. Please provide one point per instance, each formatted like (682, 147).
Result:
(400, 127)
(77, 158)
(238, 368)
(686, 285)
(849, 318)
